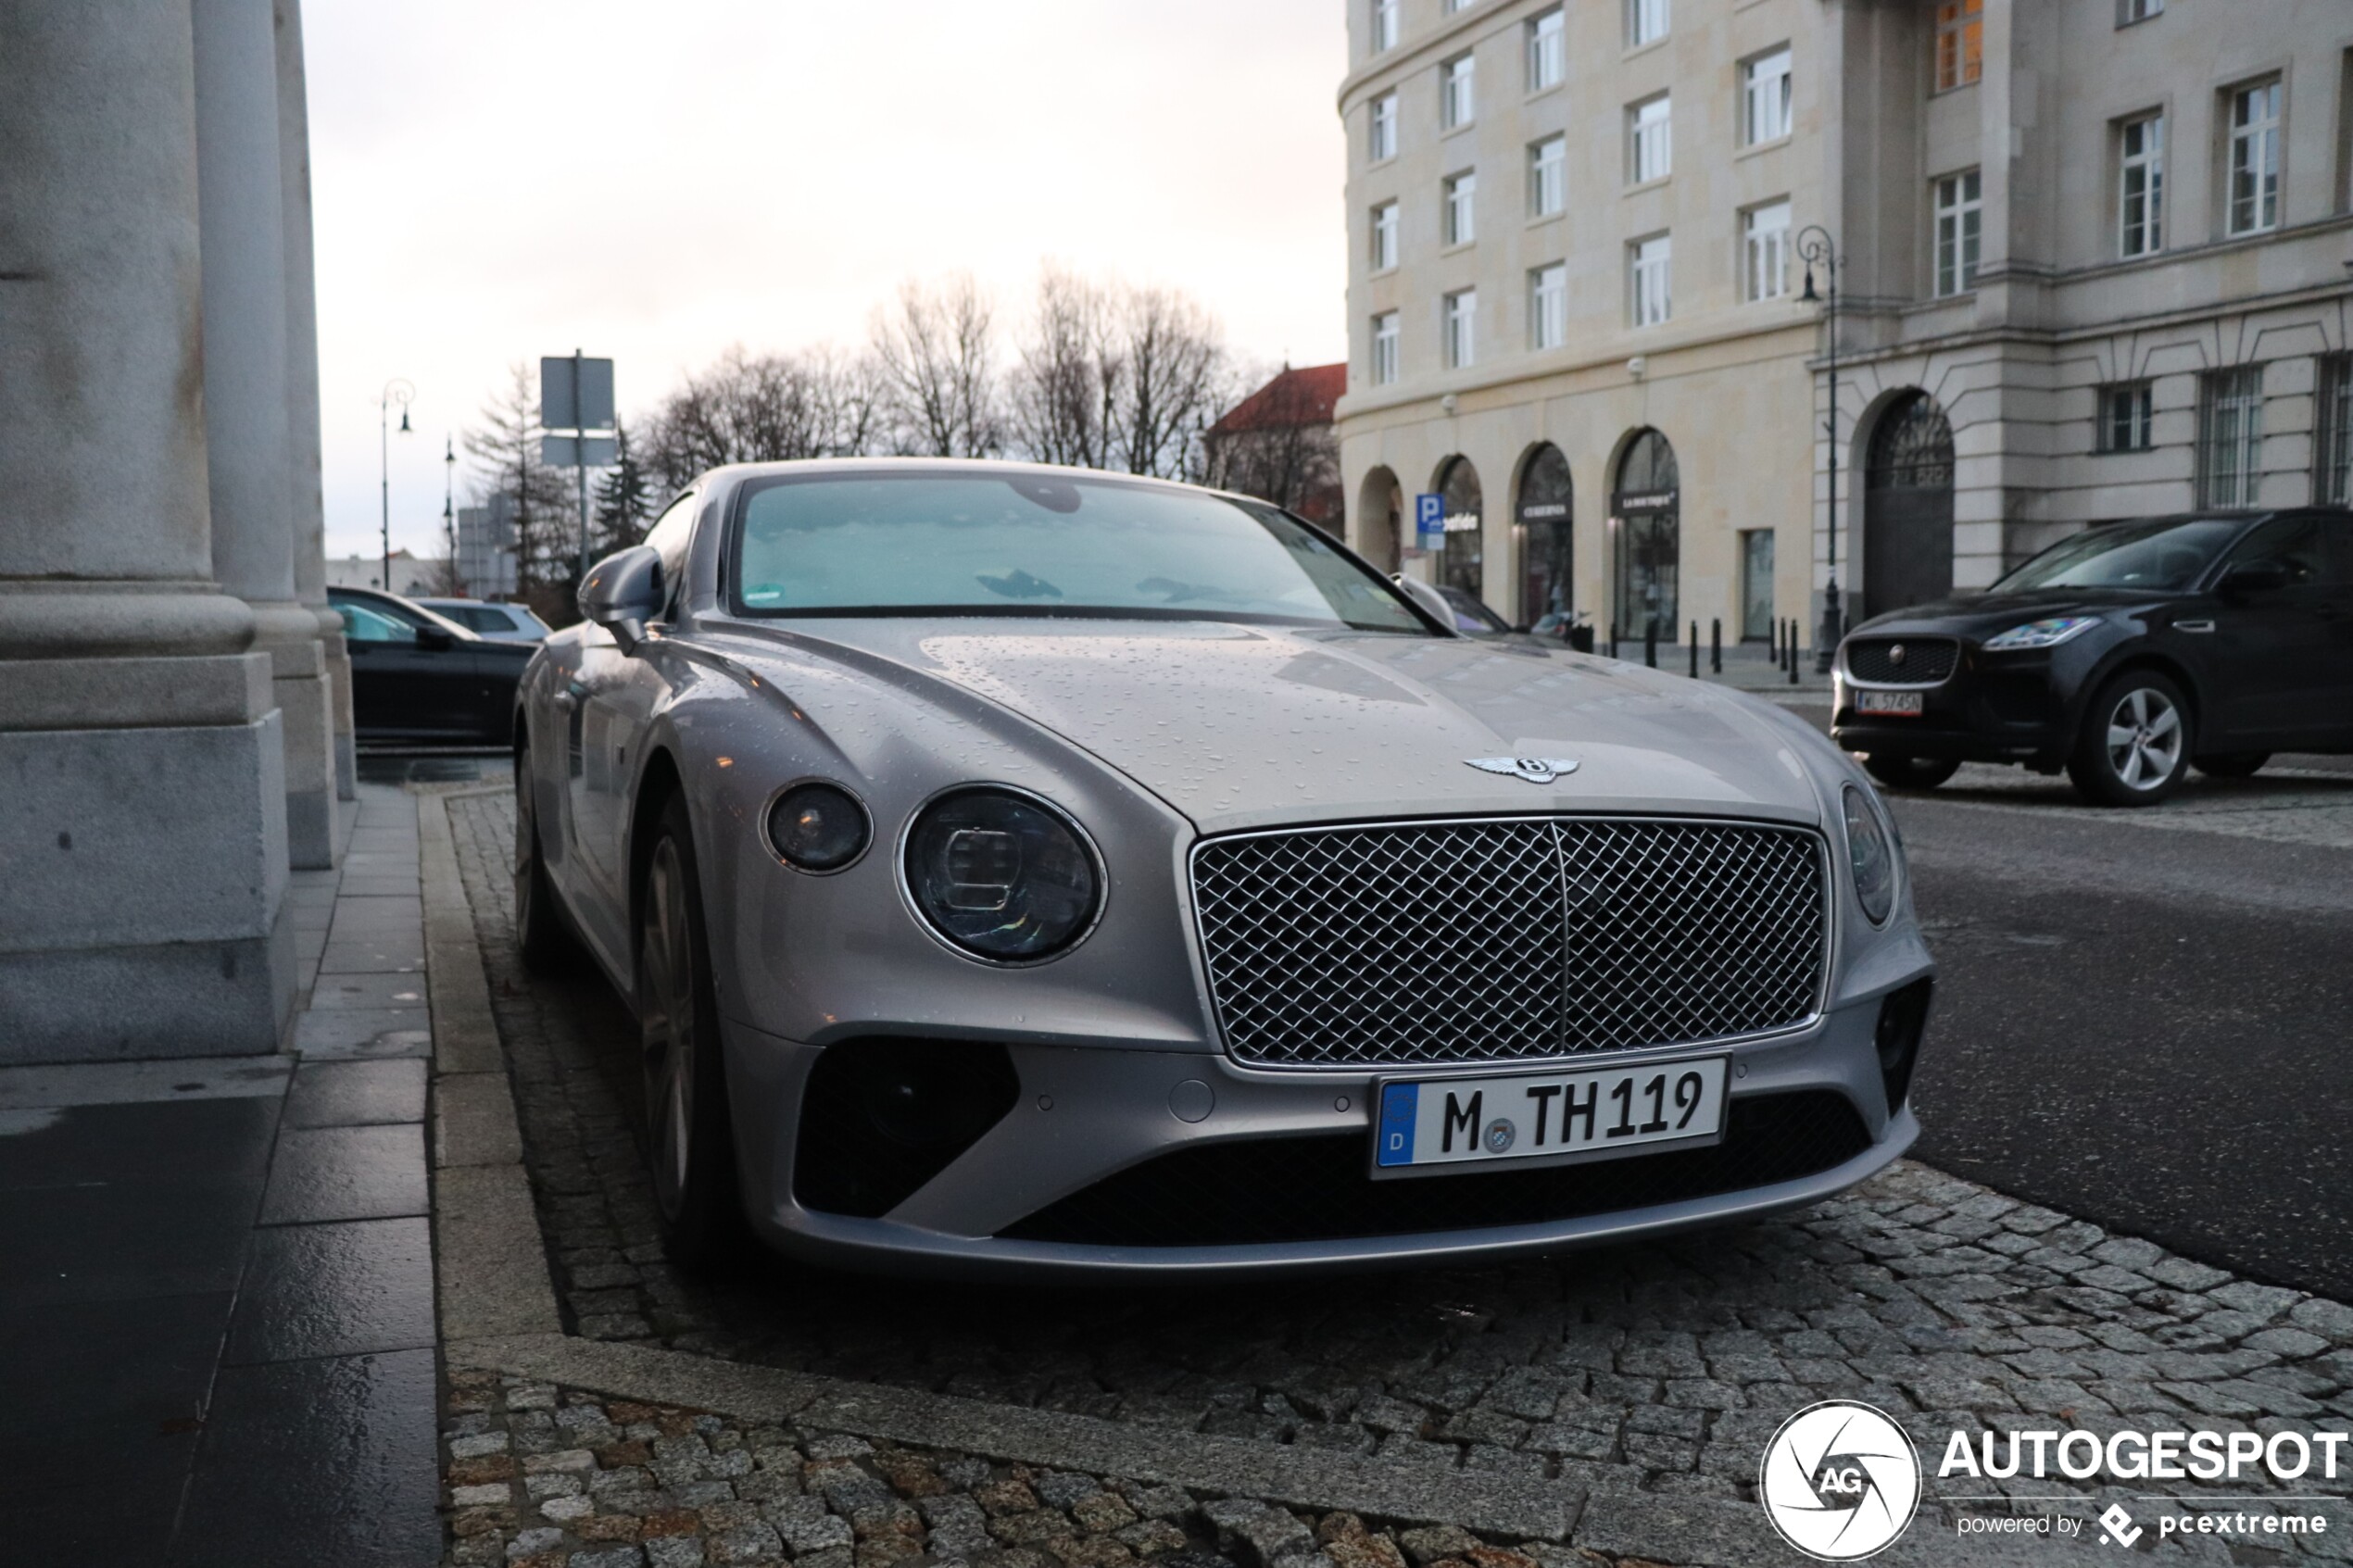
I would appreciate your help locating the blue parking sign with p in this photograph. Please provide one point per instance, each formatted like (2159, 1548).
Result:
(1429, 517)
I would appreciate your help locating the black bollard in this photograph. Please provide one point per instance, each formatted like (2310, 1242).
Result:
(1715, 647)
(1694, 651)
(1793, 653)
(1613, 639)
(1650, 643)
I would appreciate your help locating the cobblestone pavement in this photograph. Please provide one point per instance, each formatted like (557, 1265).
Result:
(1664, 1366)
(547, 1477)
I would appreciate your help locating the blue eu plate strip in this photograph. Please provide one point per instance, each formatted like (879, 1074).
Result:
(1398, 1104)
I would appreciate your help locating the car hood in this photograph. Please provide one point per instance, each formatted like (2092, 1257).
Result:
(1240, 726)
(1984, 615)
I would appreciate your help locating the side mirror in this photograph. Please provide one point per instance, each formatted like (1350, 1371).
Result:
(622, 593)
(433, 639)
(2256, 577)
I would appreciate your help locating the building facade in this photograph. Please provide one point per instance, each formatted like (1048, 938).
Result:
(2091, 260)
(174, 691)
(1278, 444)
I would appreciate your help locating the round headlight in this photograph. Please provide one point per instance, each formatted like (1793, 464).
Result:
(815, 827)
(1001, 877)
(1870, 857)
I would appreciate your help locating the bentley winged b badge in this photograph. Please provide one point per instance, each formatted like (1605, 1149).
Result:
(1535, 769)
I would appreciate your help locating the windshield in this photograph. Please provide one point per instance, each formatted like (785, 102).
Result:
(2167, 557)
(969, 542)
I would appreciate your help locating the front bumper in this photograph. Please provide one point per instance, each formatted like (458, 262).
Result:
(1084, 1114)
(2001, 707)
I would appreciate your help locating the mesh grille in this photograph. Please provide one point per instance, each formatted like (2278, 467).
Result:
(1926, 659)
(1498, 941)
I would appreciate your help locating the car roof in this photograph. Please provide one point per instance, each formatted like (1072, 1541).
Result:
(991, 468)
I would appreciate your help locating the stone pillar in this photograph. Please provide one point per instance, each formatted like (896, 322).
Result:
(302, 387)
(141, 758)
(240, 186)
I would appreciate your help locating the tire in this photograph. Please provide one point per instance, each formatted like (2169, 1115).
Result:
(2233, 764)
(688, 1145)
(2134, 746)
(545, 943)
(1910, 772)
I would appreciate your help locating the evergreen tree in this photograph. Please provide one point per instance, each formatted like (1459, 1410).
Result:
(624, 501)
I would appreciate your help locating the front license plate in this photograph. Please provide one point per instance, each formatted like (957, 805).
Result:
(1907, 704)
(1554, 1116)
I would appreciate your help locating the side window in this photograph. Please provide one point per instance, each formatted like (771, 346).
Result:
(364, 625)
(2295, 542)
(669, 537)
(2338, 532)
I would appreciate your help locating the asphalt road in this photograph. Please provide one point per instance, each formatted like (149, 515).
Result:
(2146, 1018)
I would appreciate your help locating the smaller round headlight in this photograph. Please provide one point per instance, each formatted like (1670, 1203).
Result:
(815, 827)
(1870, 857)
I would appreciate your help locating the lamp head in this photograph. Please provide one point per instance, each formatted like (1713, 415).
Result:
(404, 420)
(1810, 296)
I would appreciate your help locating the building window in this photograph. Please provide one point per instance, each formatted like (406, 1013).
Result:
(2255, 158)
(2125, 417)
(1645, 22)
(1385, 348)
(1461, 208)
(1960, 43)
(1457, 92)
(1650, 141)
(1547, 61)
(1548, 177)
(1548, 305)
(1651, 295)
(1385, 24)
(1765, 251)
(2140, 195)
(1959, 210)
(1380, 139)
(2230, 437)
(1765, 98)
(1460, 318)
(2333, 444)
(2130, 11)
(1384, 255)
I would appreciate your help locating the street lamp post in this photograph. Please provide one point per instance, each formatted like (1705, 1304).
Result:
(1814, 245)
(400, 392)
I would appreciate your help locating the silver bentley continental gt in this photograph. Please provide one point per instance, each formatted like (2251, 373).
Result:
(1017, 869)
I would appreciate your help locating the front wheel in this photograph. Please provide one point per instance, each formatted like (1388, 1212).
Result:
(1910, 772)
(687, 1140)
(2233, 764)
(2134, 746)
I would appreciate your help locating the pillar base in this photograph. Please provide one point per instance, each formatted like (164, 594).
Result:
(146, 914)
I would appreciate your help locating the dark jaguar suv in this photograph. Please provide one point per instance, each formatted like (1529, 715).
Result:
(2126, 655)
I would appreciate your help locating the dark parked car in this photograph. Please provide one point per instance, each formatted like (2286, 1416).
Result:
(421, 678)
(2125, 655)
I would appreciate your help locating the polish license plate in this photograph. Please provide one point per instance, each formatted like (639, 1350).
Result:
(1553, 1117)
(1907, 704)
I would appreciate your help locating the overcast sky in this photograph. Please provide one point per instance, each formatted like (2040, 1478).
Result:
(494, 182)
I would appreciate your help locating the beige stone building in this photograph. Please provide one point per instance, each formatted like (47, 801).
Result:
(2093, 262)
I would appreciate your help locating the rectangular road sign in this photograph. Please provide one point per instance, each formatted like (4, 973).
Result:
(567, 405)
(1429, 520)
(577, 451)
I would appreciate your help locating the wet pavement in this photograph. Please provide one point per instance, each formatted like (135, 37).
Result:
(219, 1306)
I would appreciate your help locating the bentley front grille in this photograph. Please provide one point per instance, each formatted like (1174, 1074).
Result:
(1428, 943)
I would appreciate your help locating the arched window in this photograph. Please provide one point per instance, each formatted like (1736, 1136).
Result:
(1542, 518)
(1379, 512)
(1908, 507)
(1459, 566)
(1646, 517)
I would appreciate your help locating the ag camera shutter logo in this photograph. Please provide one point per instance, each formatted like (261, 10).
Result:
(1840, 1481)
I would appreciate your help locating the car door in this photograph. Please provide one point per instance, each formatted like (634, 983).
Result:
(2337, 618)
(406, 683)
(2274, 648)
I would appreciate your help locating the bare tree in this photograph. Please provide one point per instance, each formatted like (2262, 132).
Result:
(936, 354)
(1173, 379)
(774, 408)
(504, 444)
(1058, 398)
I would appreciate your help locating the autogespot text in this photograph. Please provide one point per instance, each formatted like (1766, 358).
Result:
(2146, 1456)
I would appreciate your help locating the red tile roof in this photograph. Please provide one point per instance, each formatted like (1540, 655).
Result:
(1303, 397)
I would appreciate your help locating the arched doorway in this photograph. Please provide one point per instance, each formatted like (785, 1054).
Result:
(1908, 507)
(1459, 563)
(1541, 520)
(1379, 508)
(1646, 515)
